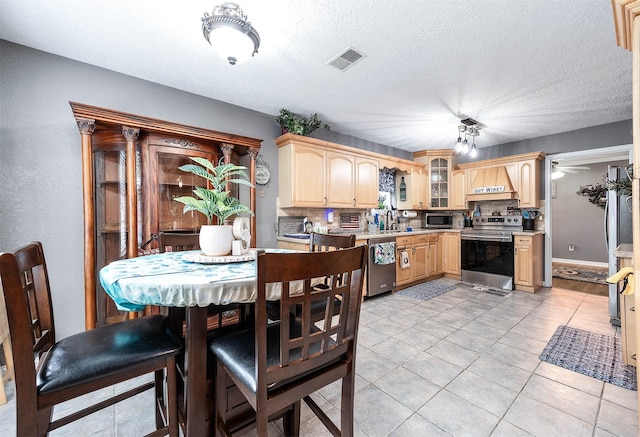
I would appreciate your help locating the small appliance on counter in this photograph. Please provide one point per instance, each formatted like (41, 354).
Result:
(437, 220)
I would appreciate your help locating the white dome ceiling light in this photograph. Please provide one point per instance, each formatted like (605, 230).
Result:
(230, 34)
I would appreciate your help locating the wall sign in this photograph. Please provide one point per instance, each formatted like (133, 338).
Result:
(488, 190)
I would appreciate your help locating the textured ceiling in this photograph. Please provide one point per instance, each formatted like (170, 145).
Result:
(523, 68)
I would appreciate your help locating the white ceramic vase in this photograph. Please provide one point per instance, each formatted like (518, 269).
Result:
(216, 240)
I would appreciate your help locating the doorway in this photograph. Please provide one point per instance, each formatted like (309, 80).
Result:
(584, 158)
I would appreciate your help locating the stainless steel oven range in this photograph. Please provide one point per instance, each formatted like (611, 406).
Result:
(486, 251)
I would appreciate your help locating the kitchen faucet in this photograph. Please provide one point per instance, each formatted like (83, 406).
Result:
(387, 221)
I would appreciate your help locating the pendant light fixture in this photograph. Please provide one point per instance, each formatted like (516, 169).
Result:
(469, 127)
(230, 34)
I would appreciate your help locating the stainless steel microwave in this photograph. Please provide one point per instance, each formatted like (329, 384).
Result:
(437, 220)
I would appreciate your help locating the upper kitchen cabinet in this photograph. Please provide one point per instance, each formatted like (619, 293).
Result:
(317, 174)
(439, 164)
(529, 182)
(302, 173)
(458, 190)
(416, 188)
(130, 177)
(511, 177)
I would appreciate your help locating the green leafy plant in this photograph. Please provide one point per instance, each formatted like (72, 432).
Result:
(215, 201)
(298, 124)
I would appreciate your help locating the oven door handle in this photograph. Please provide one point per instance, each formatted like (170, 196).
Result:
(486, 238)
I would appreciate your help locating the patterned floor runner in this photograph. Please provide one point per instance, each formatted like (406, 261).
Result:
(589, 353)
(428, 290)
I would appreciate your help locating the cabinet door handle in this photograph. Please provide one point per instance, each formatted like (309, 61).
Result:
(633, 356)
(354, 202)
(632, 309)
(325, 200)
(515, 250)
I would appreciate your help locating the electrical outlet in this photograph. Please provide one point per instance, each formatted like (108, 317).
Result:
(572, 248)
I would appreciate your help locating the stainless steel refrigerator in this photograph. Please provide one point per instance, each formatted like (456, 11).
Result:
(618, 230)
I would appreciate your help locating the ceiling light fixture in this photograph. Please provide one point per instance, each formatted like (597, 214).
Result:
(230, 34)
(469, 127)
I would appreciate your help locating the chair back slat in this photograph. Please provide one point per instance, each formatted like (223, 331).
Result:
(306, 344)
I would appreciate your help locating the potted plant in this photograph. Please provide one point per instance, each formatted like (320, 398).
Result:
(298, 124)
(216, 201)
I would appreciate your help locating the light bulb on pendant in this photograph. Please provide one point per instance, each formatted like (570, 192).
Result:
(474, 150)
(459, 145)
(465, 146)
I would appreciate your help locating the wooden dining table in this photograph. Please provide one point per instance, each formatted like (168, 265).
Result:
(186, 280)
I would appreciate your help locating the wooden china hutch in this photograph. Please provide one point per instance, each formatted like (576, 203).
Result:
(130, 176)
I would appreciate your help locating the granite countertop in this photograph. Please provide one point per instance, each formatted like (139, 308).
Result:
(383, 234)
(624, 251)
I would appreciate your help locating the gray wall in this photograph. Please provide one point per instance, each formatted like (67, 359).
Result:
(576, 220)
(604, 135)
(40, 162)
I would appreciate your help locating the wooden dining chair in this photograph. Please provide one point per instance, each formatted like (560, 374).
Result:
(81, 363)
(5, 342)
(178, 241)
(319, 243)
(276, 365)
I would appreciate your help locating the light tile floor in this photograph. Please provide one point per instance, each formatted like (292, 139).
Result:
(462, 364)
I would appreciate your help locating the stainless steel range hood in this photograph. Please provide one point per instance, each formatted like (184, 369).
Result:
(492, 183)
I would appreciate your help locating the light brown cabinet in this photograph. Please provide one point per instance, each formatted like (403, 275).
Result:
(416, 180)
(451, 253)
(528, 262)
(457, 190)
(510, 177)
(130, 177)
(313, 174)
(529, 183)
(425, 258)
(439, 187)
(439, 165)
(407, 275)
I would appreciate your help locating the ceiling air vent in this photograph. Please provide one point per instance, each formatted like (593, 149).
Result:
(346, 59)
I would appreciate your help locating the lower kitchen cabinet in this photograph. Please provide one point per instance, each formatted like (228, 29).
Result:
(451, 253)
(434, 255)
(424, 255)
(420, 257)
(528, 262)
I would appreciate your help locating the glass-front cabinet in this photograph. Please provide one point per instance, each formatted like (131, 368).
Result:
(439, 164)
(439, 183)
(130, 177)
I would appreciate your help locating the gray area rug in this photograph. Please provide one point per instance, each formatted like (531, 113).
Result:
(583, 274)
(428, 290)
(590, 353)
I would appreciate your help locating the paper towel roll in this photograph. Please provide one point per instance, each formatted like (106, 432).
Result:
(409, 214)
(240, 227)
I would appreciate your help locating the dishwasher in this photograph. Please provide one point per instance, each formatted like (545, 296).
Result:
(381, 270)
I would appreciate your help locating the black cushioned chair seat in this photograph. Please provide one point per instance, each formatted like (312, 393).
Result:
(237, 352)
(100, 352)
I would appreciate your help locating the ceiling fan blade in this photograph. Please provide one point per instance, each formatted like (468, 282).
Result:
(571, 167)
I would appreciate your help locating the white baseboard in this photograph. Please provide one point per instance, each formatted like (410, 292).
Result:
(577, 262)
